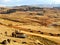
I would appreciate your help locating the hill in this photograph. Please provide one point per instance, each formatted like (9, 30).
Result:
(29, 25)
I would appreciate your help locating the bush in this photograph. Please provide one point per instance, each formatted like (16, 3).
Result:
(40, 14)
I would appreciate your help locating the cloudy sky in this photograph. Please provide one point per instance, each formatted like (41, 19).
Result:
(27, 2)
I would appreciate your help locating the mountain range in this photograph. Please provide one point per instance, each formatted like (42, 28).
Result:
(38, 5)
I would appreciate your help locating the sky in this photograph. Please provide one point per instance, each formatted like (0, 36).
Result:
(27, 2)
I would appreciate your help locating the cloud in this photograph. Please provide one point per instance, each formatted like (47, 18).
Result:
(9, 1)
(28, 2)
(6, 1)
(41, 1)
(56, 1)
(2, 5)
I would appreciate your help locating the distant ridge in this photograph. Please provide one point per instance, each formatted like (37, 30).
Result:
(35, 5)
(47, 5)
(27, 8)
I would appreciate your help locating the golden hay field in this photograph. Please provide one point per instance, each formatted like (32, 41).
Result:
(30, 27)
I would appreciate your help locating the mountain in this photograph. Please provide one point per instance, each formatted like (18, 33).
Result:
(39, 5)
(34, 5)
(47, 5)
(28, 8)
(20, 8)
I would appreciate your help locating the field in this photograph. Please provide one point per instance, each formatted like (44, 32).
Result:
(30, 27)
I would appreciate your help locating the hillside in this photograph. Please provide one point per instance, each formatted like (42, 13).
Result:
(27, 25)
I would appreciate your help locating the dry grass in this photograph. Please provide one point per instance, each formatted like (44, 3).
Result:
(38, 28)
